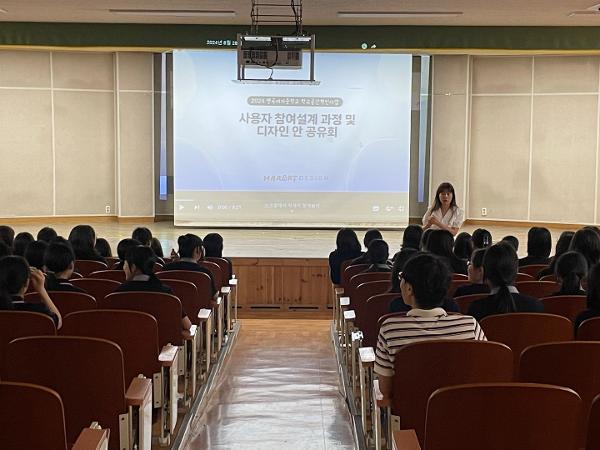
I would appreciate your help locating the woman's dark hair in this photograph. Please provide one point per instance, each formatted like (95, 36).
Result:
(539, 242)
(587, 242)
(187, 244)
(5, 250)
(429, 278)
(477, 258)
(500, 265)
(571, 268)
(143, 235)
(440, 243)
(412, 237)
(482, 238)
(82, 238)
(593, 288)
(124, 245)
(425, 239)
(46, 234)
(444, 187)
(103, 247)
(34, 254)
(213, 245)
(20, 243)
(379, 251)
(7, 235)
(142, 257)
(512, 240)
(463, 245)
(58, 257)
(14, 273)
(346, 242)
(371, 235)
(156, 247)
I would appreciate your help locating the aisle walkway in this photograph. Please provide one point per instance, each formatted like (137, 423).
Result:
(279, 390)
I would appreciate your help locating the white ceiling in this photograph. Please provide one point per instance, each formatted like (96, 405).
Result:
(316, 12)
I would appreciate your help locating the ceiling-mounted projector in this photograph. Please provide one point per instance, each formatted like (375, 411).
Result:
(280, 52)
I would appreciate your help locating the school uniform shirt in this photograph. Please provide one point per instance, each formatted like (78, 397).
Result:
(454, 217)
(18, 304)
(470, 289)
(191, 265)
(54, 284)
(488, 306)
(336, 258)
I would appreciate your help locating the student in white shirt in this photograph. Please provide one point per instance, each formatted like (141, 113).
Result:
(445, 213)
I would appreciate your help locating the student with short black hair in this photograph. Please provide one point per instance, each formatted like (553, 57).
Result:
(47, 235)
(213, 248)
(347, 246)
(34, 254)
(587, 242)
(5, 250)
(440, 243)
(562, 246)
(157, 247)
(59, 261)
(7, 235)
(20, 243)
(482, 238)
(122, 248)
(475, 273)
(15, 276)
(425, 239)
(143, 235)
(571, 268)
(539, 246)
(463, 246)
(379, 252)
(370, 236)
(103, 248)
(83, 240)
(411, 242)
(593, 297)
(500, 266)
(512, 240)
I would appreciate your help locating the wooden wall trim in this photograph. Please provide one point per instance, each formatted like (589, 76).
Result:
(524, 224)
(59, 220)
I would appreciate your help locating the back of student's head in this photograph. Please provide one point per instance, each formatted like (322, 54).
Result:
(587, 242)
(124, 245)
(156, 247)
(103, 248)
(213, 245)
(58, 257)
(143, 235)
(482, 238)
(463, 245)
(477, 258)
(593, 288)
(440, 243)
(14, 274)
(187, 244)
(500, 265)
(7, 235)
(412, 237)
(142, 257)
(82, 238)
(425, 239)
(371, 235)
(539, 242)
(570, 269)
(429, 278)
(563, 243)
(5, 250)
(34, 254)
(379, 251)
(20, 243)
(346, 242)
(512, 240)
(46, 234)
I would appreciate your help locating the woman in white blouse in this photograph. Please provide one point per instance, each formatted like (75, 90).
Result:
(444, 214)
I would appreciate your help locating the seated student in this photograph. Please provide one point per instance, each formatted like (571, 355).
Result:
(562, 246)
(500, 265)
(463, 246)
(440, 243)
(144, 236)
(539, 246)
(379, 253)
(482, 238)
(190, 252)
(103, 248)
(5, 250)
(157, 247)
(512, 240)
(213, 247)
(122, 249)
(423, 284)
(411, 241)
(47, 235)
(83, 240)
(7, 235)
(34, 254)
(59, 261)
(347, 247)
(425, 239)
(15, 276)
(587, 242)
(20, 243)
(139, 273)
(593, 297)
(370, 235)
(571, 268)
(475, 273)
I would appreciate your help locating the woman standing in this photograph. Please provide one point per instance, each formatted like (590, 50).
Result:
(445, 213)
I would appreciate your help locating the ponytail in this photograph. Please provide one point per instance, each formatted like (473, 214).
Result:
(505, 301)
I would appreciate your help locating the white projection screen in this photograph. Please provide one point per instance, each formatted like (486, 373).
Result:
(332, 154)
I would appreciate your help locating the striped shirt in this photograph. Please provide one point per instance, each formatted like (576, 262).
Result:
(420, 325)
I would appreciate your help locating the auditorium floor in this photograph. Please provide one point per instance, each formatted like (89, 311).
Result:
(279, 390)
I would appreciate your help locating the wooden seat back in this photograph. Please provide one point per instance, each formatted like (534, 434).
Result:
(112, 261)
(187, 293)
(87, 373)
(537, 289)
(455, 284)
(423, 367)
(551, 277)
(85, 267)
(97, 287)
(593, 432)
(501, 416)
(464, 301)
(533, 269)
(32, 417)
(215, 272)
(362, 293)
(589, 330)
(199, 279)
(524, 277)
(568, 306)
(377, 306)
(360, 278)
(16, 324)
(225, 267)
(115, 275)
(66, 302)
(165, 308)
(349, 272)
(521, 330)
(459, 277)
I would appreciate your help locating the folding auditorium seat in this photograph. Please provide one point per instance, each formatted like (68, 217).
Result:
(85, 267)
(568, 306)
(166, 309)
(464, 301)
(223, 265)
(522, 330)
(454, 285)
(459, 276)
(137, 335)
(423, 367)
(216, 273)
(96, 287)
(549, 278)
(524, 277)
(16, 324)
(533, 269)
(498, 416)
(593, 433)
(115, 275)
(344, 292)
(66, 302)
(537, 289)
(32, 417)
(88, 375)
(589, 330)
(112, 261)
(76, 275)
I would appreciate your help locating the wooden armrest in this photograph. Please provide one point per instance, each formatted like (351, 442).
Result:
(405, 440)
(91, 439)
(137, 391)
(219, 300)
(189, 335)
(233, 282)
(349, 315)
(344, 301)
(225, 290)
(167, 355)
(339, 291)
(204, 314)
(367, 355)
(384, 403)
